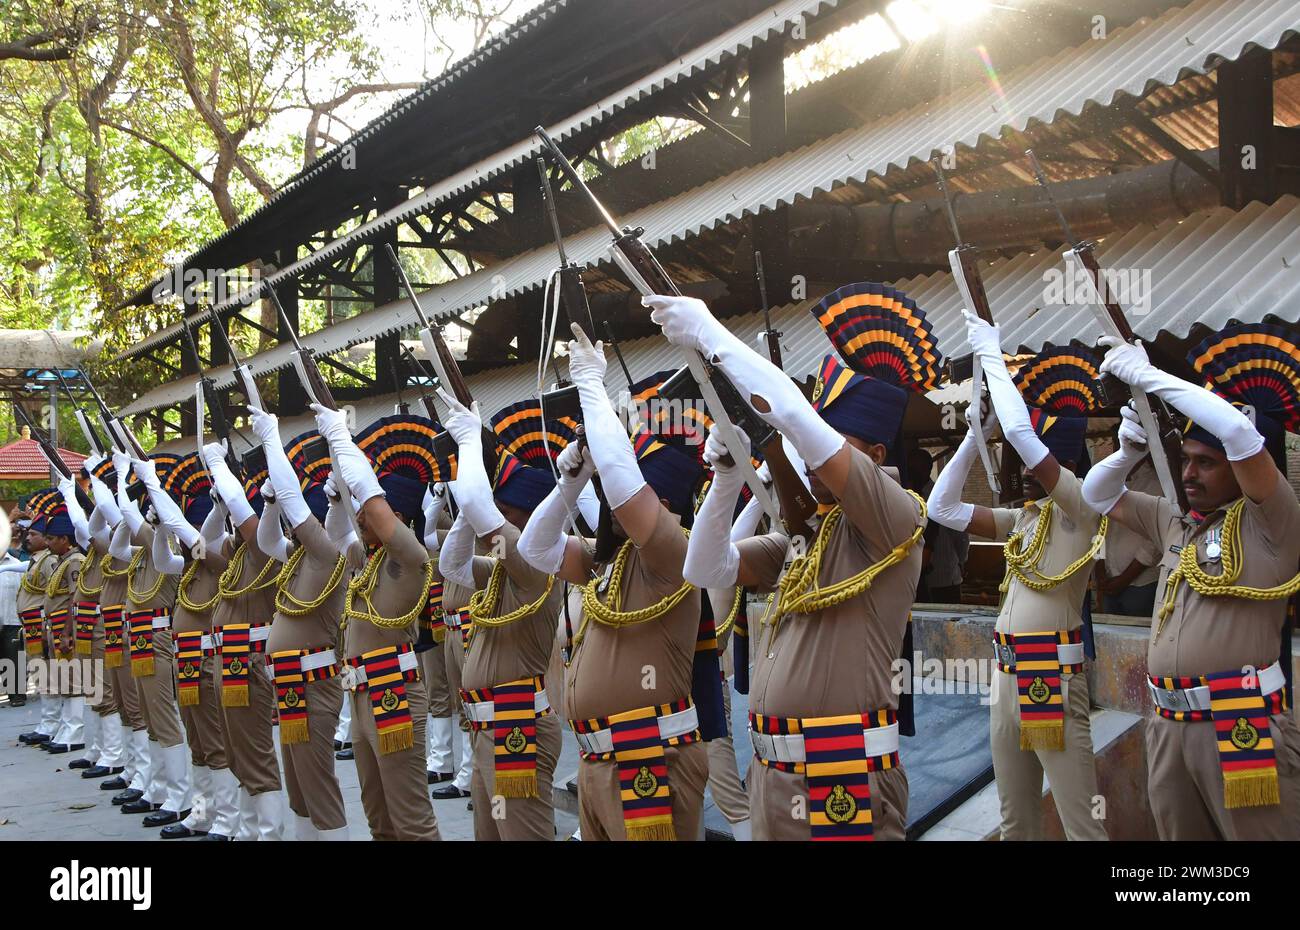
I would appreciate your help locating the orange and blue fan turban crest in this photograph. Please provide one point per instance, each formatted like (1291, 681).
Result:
(401, 450)
(518, 485)
(57, 521)
(1256, 367)
(163, 463)
(39, 504)
(886, 349)
(668, 439)
(1061, 387)
(522, 432)
(189, 484)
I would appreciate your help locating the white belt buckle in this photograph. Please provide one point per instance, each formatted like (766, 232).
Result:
(349, 677)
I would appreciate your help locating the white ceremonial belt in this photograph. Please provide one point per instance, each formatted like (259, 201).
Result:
(316, 660)
(1271, 679)
(257, 634)
(162, 623)
(452, 620)
(482, 712)
(670, 725)
(358, 677)
(1066, 654)
(781, 747)
(206, 643)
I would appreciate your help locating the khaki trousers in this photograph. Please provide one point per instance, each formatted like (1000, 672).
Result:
(158, 693)
(497, 818)
(246, 731)
(309, 779)
(394, 787)
(203, 722)
(778, 804)
(600, 810)
(433, 671)
(1019, 772)
(108, 704)
(724, 775)
(1185, 784)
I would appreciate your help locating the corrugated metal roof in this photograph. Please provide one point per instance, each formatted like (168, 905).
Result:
(740, 38)
(1210, 268)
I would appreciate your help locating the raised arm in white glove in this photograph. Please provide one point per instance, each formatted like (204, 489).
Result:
(80, 525)
(434, 503)
(284, 480)
(165, 560)
(712, 559)
(168, 511)
(472, 489)
(119, 547)
(105, 503)
(543, 542)
(985, 340)
(607, 439)
(456, 559)
(350, 463)
(1103, 486)
(339, 528)
(945, 504)
(270, 532)
(213, 529)
(131, 514)
(688, 322)
(227, 485)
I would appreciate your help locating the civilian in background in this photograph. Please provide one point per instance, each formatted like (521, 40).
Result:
(1126, 578)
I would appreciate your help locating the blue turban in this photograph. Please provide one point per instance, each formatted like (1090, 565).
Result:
(197, 508)
(59, 524)
(1063, 436)
(671, 473)
(522, 486)
(316, 500)
(866, 408)
(1273, 432)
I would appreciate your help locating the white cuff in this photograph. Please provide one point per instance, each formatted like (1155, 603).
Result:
(945, 505)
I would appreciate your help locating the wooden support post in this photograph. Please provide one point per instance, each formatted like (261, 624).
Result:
(767, 137)
(293, 397)
(1247, 142)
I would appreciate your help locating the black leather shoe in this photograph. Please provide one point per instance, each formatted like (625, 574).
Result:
(340, 746)
(56, 749)
(140, 806)
(178, 831)
(448, 793)
(437, 778)
(163, 817)
(99, 771)
(215, 838)
(345, 755)
(33, 738)
(127, 796)
(79, 764)
(115, 784)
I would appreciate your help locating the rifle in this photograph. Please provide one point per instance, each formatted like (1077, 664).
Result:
(122, 438)
(771, 336)
(563, 399)
(206, 395)
(87, 429)
(47, 448)
(964, 260)
(304, 361)
(243, 375)
(645, 273)
(447, 370)
(1166, 439)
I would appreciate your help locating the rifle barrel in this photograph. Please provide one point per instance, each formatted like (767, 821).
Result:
(613, 344)
(1042, 182)
(947, 202)
(406, 285)
(548, 196)
(576, 180)
(284, 318)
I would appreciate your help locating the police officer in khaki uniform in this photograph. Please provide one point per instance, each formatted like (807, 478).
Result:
(241, 625)
(185, 510)
(823, 673)
(384, 601)
(504, 690)
(68, 674)
(1039, 718)
(628, 684)
(1223, 749)
(31, 612)
(305, 646)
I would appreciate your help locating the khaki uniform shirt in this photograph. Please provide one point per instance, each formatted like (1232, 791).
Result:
(320, 628)
(1073, 527)
(1217, 634)
(146, 575)
(840, 660)
(521, 649)
(643, 664)
(68, 584)
(37, 574)
(255, 606)
(114, 591)
(400, 586)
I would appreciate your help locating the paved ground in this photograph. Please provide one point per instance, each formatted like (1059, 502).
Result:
(41, 799)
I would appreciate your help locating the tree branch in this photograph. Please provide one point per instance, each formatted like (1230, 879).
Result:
(161, 146)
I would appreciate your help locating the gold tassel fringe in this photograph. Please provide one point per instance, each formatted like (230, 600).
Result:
(516, 784)
(112, 660)
(396, 739)
(659, 832)
(142, 668)
(293, 731)
(83, 648)
(1250, 789)
(234, 696)
(1048, 736)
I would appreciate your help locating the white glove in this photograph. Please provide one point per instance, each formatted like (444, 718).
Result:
(80, 525)
(168, 511)
(339, 528)
(266, 426)
(472, 488)
(712, 559)
(131, 515)
(350, 463)
(146, 472)
(686, 321)
(1007, 402)
(104, 502)
(121, 463)
(1208, 410)
(120, 545)
(543, 540)
(1132, 435)
(226, 484)
(213, 529)
(93, 461)
(990, 421)
(283, 480)
(575, 465)
(945, 505)
(456, 560)
(165, 560)
(270, 534)
(607, 440)
(433, 504)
